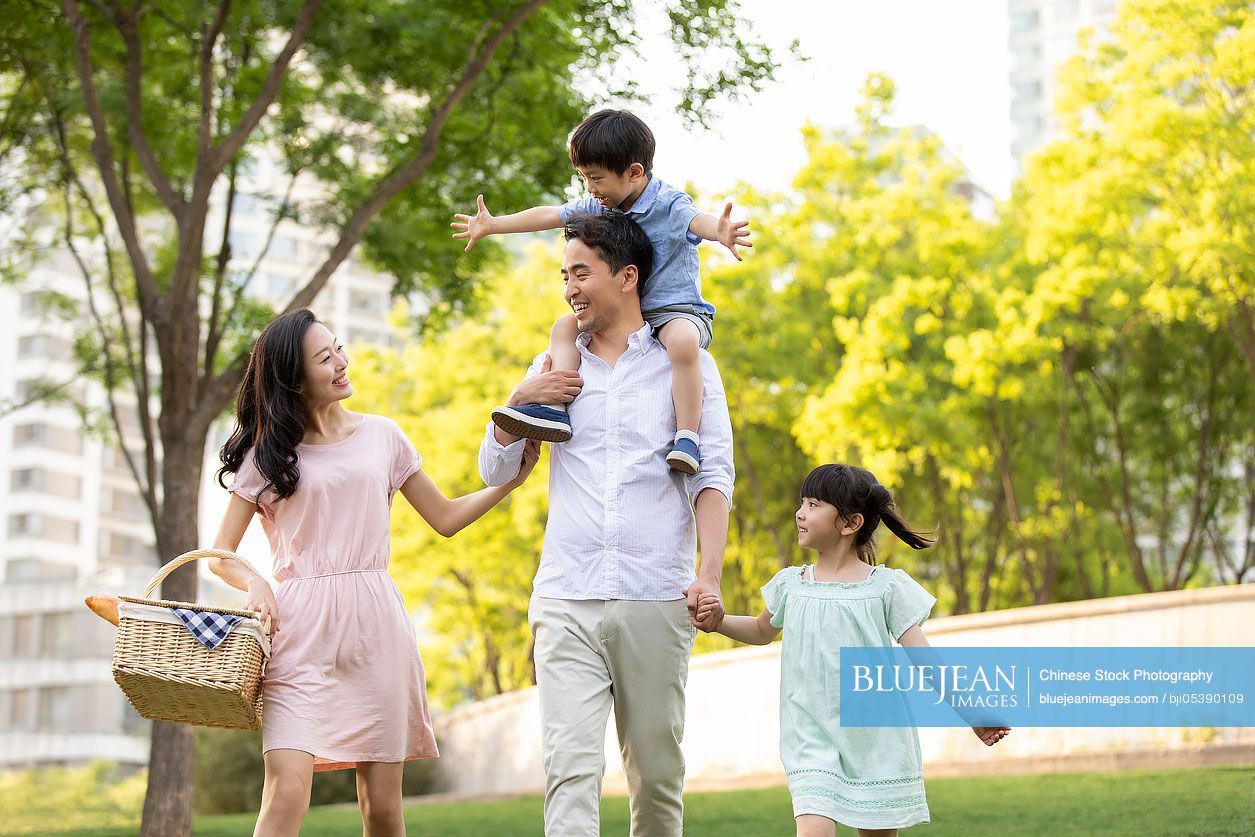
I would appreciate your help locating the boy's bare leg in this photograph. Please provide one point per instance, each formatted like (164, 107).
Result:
(683, 343)
(545, 422)
(562, 350)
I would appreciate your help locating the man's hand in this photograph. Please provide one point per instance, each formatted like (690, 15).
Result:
(477, 226)
(711, 613)
(548, 387)
(729, 233)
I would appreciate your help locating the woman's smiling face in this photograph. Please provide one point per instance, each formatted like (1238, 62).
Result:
(326, 377)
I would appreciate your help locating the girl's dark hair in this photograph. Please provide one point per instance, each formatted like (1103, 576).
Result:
(614, 140)
(854, 491)
(270, 412)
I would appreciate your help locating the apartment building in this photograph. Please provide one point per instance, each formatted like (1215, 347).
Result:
(71, 519)
(1042, 36)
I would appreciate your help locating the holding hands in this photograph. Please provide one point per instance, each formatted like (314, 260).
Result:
(531, 454)
(705, 604)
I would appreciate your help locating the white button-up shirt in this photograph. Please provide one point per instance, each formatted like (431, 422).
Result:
(621, 522)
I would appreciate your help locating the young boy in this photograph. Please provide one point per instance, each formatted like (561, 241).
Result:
(613, 152)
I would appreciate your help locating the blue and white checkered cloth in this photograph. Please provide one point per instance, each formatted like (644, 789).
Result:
(209, 628)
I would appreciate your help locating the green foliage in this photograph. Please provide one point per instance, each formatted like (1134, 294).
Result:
(88, 798)
(356, 107)
(1014, 381)
(1137, 229)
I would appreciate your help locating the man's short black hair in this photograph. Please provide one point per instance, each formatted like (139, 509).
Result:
(617, 239)
(614, 140)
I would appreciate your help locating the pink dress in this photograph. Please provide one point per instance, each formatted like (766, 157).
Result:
(345, 681)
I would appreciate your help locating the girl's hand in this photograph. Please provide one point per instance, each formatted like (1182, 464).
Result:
(262, 599)
(991, 735)
(706, 605)
(709, 613)
(531, 455)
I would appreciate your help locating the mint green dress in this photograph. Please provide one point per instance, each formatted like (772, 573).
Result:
(860, 777)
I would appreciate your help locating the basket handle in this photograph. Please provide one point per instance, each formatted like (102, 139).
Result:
(188, 557)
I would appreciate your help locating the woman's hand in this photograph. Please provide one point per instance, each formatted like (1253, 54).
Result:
(262, 599)
(531, 455)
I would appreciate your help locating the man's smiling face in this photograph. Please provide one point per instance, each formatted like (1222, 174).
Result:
(593, 292)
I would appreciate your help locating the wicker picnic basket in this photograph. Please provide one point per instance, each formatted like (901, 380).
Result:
(168, 676)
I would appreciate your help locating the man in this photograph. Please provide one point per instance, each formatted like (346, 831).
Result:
(614, 601)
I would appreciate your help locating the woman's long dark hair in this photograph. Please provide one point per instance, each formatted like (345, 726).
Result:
(270, 412)
(854, 491)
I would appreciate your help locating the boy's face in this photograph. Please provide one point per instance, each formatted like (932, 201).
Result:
(613, 190)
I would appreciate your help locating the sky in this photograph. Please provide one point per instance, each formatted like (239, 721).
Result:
(948, 59)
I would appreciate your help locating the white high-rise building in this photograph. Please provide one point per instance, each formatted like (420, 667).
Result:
(1043, 36)
(71, 519)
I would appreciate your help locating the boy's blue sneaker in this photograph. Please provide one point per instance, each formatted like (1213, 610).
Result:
(534, 421)
(684, 457)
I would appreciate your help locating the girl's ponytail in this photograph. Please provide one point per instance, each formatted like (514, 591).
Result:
(854, 490)
(908, 536)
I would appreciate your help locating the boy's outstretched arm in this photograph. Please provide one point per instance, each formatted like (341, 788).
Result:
(484, 223)
(729, 233)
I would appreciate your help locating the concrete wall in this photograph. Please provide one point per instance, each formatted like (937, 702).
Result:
(731, 737)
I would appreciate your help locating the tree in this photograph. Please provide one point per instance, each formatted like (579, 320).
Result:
(1140, 223)
(1158, 124)
(134, 126)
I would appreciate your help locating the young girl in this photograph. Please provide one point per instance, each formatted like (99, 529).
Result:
(867, 778)
(344, 685)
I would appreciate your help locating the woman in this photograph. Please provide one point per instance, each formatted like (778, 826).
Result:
(344, 684)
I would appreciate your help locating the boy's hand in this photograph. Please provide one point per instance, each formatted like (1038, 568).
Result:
(479, 225)
(729, 233)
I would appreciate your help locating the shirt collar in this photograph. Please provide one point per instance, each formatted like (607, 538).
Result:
(642, 338)
(646, 200)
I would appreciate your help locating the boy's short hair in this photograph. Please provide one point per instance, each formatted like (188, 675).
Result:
(613, 139)
(617, 239)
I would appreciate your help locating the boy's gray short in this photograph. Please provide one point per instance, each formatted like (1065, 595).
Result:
(699, 317)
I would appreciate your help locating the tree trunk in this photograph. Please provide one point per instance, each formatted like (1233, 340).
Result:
(172, 759)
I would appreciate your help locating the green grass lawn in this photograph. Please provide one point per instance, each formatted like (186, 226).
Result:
(1217, 800)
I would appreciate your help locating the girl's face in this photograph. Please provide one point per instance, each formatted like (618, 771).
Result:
(326, 367)
(821, 526)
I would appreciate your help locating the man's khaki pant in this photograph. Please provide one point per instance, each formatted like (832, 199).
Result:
(634, 656)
